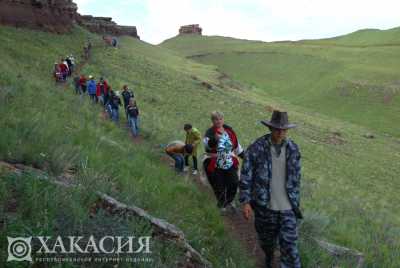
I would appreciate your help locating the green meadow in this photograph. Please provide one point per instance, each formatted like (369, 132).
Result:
(336, 93)
(340, 90)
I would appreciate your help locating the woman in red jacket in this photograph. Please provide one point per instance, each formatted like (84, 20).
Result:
(221, 164)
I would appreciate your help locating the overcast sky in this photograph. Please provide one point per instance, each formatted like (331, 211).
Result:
(267, 20)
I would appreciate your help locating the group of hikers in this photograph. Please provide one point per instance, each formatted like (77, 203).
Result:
(64, 68)
(270, 174)
(101, 92)
(268, 181)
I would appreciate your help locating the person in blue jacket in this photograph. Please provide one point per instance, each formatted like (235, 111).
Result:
(91, 88)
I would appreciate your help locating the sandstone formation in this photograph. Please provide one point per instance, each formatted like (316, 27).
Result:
(106, 26)
(190, 29)
(51, 15)
(57, 16)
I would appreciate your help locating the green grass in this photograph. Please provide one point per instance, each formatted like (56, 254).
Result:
(49, 127)
(349, 190)
(366, 37)
(354, 77)
(347, 85)
(46, 210)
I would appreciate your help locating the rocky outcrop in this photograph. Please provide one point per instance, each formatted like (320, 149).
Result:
(106, 26)
(51, 15)
(57, 16)
(191, 29)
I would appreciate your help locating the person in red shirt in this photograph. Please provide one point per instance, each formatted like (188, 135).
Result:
(64, 70)
(102, 90)
(82, 82)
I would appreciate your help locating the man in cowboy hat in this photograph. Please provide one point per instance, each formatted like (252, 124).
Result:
(270, 186)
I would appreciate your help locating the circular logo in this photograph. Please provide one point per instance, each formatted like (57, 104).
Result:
(19, 249)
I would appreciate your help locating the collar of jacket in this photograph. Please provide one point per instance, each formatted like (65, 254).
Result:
(290, 147)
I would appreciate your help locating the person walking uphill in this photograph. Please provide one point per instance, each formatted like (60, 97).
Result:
(102, 91)
(126, 97)
(77, 85)
(133, 116)
(270, 186)
(221, 163)
(114, 103)
(193, 137)
(177, 150)
(82, 82)
(91, 87)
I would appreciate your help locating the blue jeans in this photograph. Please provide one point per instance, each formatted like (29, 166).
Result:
(134, 124)
(179, 161)
(115, 115)
(109, 110)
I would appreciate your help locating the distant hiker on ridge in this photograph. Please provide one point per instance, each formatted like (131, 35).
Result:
(221, 165)
(114, 42)
(193, 137)
(270, 186)
(177, 150)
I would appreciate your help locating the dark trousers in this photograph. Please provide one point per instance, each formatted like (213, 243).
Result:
(93, 97)
(78, 89)
(194, 161)
(273, 225)
(126, 111)
(105, 99)
(224, 184)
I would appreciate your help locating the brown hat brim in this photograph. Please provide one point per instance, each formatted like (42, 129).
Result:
(270, 124)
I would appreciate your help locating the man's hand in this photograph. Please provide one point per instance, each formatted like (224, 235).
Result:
(247, 211)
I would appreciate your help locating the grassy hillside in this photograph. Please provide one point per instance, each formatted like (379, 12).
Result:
(354, 77)
(366, 37)
(350, 182)
(338, 94)
(49, 127)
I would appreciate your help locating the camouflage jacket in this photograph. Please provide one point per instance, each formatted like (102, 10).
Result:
(256, 173)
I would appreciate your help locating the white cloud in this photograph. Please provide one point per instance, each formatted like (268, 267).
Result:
(251, 19)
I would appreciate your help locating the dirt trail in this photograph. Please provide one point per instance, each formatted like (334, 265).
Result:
(240, 228)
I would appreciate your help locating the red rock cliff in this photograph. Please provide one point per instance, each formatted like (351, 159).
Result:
(51, 15)
(57, 16)
(105, 25)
